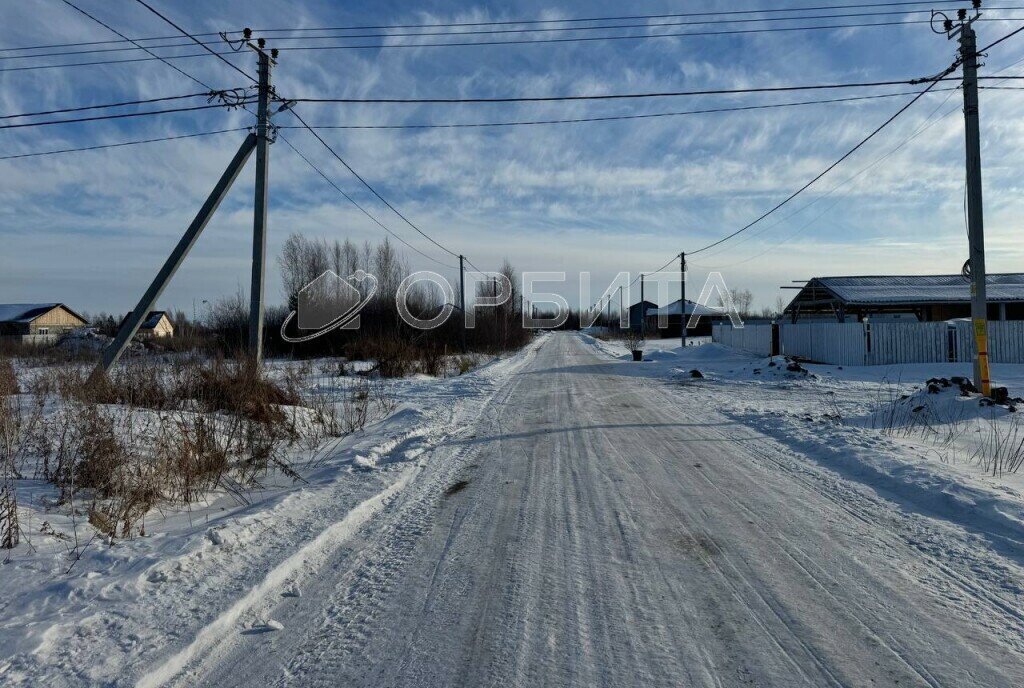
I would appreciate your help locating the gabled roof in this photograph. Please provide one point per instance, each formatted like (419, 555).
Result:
(691, 307)
(27, 312)
(917, 289)
(152, 319)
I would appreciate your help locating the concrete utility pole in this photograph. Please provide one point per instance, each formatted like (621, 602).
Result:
(975, 219)
(131, 324)
(620, 306)
(682, 299)
(259, 225)
(462, 300)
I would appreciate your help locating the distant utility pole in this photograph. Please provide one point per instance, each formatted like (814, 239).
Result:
(620, 306)
(462, 301)
(608, 311)
(682, 299)
(259, 225)
(964, 30)
(643, 305)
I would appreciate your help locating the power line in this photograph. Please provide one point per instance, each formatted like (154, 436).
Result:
(123, 103)
(326, 145)
(380, 46)
(522, 21)
(360, 207)
(127, 115)
(113, 30)
(822, 174)
(611, 118)
(120, 144)
(997, 42)
(646, 26)
(281, 136)
(627, 96)
(368, 186)
(197, 41)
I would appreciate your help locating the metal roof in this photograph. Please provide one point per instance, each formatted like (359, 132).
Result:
(27, 312)
(919, 289)
(691, 307)
(152, 319)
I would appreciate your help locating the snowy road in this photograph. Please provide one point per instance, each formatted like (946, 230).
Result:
(599, 529)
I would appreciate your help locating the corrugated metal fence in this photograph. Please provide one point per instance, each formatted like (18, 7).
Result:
(753, 337)
(877, 343)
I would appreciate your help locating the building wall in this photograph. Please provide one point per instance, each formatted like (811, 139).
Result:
(56, 321)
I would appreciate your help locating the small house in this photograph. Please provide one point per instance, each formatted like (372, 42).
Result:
(38, 322)
(155, 326)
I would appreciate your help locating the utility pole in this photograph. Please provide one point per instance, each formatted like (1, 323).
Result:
(608, 316)
(682, 299)
(975, 218)
(131, 324)
(643, 306)
(462, 300)
(259, 226)
(620, 306)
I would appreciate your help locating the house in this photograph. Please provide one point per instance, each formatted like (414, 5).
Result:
(904, 297)
(38, 322)
(638, 311)
(156, 325)
(707, 317)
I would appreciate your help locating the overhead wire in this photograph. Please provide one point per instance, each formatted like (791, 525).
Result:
(381, 46)
(503, 31)
(521, 21)
(123, 103)
(610, 118)
(335, 153)
(625, 96)
(120, 144)
(124, 115)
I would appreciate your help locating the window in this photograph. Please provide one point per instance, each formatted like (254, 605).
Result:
(43, 330)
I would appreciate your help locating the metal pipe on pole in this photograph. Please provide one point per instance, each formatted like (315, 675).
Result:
(259, 228)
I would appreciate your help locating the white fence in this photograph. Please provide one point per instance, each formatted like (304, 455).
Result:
(753, 337)
(838, 343)
(877, 343)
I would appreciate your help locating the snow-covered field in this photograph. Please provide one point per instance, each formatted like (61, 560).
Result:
(100, 618)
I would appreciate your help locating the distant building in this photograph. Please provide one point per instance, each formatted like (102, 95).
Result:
(910, 297)
(38, 322)
(645, 308)
(671, 311)
(156, 325)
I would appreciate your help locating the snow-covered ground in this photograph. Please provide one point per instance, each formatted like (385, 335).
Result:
(101, 618)
(943, 452)
(566, 517)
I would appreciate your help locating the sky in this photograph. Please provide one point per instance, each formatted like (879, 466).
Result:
(90, 229)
